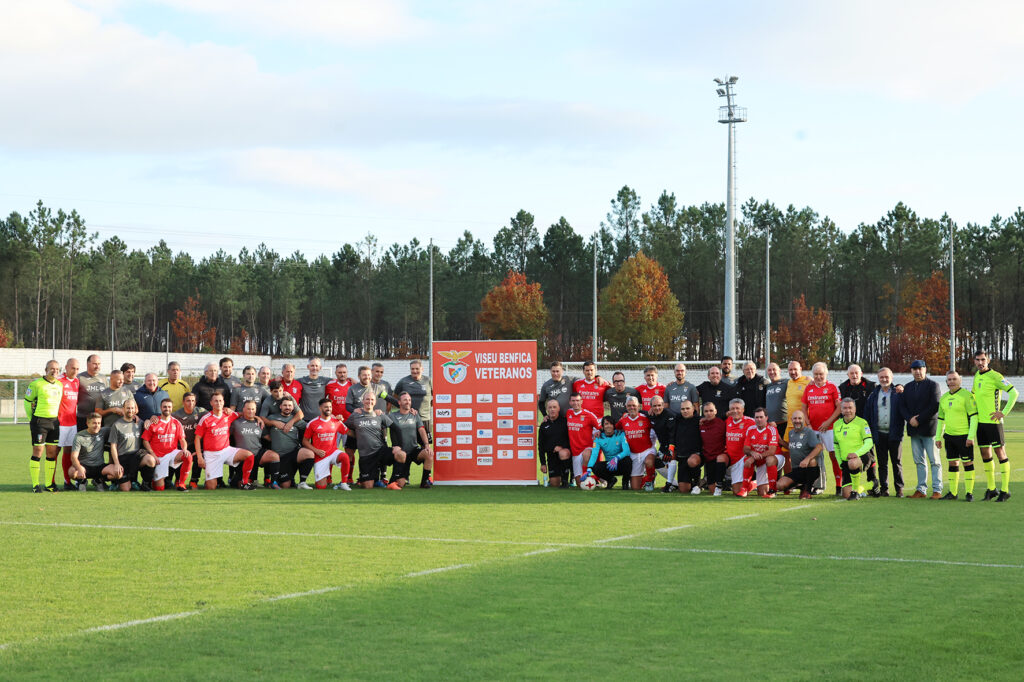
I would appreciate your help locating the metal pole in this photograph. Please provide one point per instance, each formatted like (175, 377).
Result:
(54, 320)
(767, 297)
(430, 308)
(167, 346)
(952, 305)
(729, 345)
(593, 345)
(111, 343)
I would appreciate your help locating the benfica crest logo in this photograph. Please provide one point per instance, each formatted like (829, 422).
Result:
(455, 371)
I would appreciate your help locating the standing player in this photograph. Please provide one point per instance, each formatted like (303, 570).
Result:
(989, 385)
(650, 387)
(716, 391)
(750, 388)
(213, 451)
(128, 372)
(67, 418)
(712, 448)
(112, 399)
(679, 391)
(736, 426)
(164, 439)
(227, 374)
(189, 416)
(409, 434)
(313, 387)
(726, 366)
(582, 424)
(775, 406)
(958, 427)
(87, 455)
(322, 438)
(882, 412)
(591, 388)
(210, 384)
(553, 446)
(175, 386)
(616, 396)
(42, 405)
(853, 445)
(148, 397)
(920, 405)
(337, 390)
(821, 404)
(558, 387)
(637, 428)
(760, 445)
(290, 385)
(420, 390)
(248, 390)
(90, 385)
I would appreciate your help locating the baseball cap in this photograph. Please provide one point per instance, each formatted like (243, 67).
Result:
(917, 363)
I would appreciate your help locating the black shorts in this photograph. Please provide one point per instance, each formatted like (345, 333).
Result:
(374, 463)
(411, 456)
(289, 463)
(92, 471)
(990, 435)
(44, 430)
(130, 464)
(956, 448)
(804, 476)
(351, 443)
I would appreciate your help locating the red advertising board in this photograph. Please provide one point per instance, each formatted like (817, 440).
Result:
(485, 412)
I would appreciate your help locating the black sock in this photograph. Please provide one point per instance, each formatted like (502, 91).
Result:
(426, 476)
(720, 468)
(271, 470)
(305, 467)
(147, 473)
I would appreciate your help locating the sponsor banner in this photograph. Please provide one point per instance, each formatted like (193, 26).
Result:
(494, 384)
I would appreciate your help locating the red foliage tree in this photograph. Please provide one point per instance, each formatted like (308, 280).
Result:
(192, 332)
(513, 309)
(923, 326)
(808, 337)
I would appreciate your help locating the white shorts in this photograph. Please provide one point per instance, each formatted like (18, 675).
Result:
(67, 436)
(736, 473)
(216, 459)
(638, 460)
(762, 471)
(165, 464)
(827, 441)
(322, 468)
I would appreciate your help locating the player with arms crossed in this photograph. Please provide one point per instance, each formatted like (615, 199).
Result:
(42, 405)
(989, 385)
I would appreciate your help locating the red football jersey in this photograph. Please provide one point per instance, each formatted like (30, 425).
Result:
(338, 392)
(164, 436)
(647, 392)
(293, 388)
(323, 434)
(67, 413)
(761, 441)
(735, 432)
(821, 402)
(581, 430)
(638, 432)
(215, 431)
(592, 393)
(712, 437)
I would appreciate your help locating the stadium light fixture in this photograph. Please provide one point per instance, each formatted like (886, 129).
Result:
(719, 81)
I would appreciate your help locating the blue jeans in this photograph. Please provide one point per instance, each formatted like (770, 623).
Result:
(923, 448)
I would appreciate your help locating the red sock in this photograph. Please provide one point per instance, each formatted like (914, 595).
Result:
(836, 471)
(65, 463)
(345, 465)
(650, 475)
(158, 486)
(247, 465)
(773, 476)
(748, 473)
(186, 470)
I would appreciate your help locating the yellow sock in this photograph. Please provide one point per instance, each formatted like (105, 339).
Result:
(969, 480)
(954, 480)
(1004, 471)
(33, 470)
(990, 474)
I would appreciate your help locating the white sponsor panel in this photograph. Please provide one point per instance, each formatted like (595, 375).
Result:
(464, 454)
(504, 423)
(506, 440)
(525, 454)
(484, 433)
(525, 398)
(444, 455)
(485, 397)
(463, 439)
(504, 397)
(484, 461)
(463, 426)
(443, 427)
(464, 412)
(506, 411)
(485, 450)
(444, 442)
(484, 417)
(443, 398)
(524, 442)
(464, 399)
(504, 454)
(443, 413)
(526, 416)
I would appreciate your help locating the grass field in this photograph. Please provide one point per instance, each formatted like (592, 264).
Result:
(502, 583)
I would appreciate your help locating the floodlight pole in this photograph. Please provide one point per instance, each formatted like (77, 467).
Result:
(952, 305)
(430, 309)
(593, 344)
(730, 115)
(767, 296)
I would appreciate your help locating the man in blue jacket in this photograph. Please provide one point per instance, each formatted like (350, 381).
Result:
(882, 412)
(919, 407)
(149, 397)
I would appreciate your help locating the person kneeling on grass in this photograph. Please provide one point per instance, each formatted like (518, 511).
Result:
(285, 435)
(686, 446)
(126, 453)
(212, 450)
(164, 440)
(553, 446)
(760, 445)
(87, 455)
(804, 450)
(852, 437)
(612, 444)
(375, 456)
(322, 435)
(410, 435)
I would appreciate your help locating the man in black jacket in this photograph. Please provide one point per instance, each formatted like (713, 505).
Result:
(751, 388)
(686, 446)
(553, 446)
(919, 406)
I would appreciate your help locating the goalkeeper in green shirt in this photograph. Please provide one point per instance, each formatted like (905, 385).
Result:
(42, 403)
(853, 443)
(958, 429)
(989, 385)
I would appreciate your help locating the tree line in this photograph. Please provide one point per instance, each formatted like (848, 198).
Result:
(875, 294)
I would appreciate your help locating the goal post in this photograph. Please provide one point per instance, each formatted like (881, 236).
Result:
(696, 370)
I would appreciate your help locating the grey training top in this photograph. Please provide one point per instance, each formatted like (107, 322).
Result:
(285, 443)
(127, 436)
(801, 444)
(420, 392)
(313, 391)
(246, 434)
(89, 389)
(559, 390)
(677, 393)
(89, 447)
(242, 394)
(110, 398)
(775, 401)
(405, 430)
(369, 429)
(188, 423)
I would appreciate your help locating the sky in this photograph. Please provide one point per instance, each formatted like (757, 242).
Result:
(305, 124)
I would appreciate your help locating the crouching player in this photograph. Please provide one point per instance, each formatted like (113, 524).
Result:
(285, 435)
(686, 446)
(553, 446)
(213, 433)
(410, 435)
(375, 456)
(637, 428)
(853, 444)
(164, 440)
(126, 453)
(736, 426)
(612, 444)
(713, 448)
(322, 436)
(760, 445)
(804, 450)
(87, 455)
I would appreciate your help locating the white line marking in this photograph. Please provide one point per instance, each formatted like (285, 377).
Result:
(431, 571)
(620, 537)
(546, 550)
(741, 516)
(669, 530)
(294, 595)
(143, 621)
(799, 506)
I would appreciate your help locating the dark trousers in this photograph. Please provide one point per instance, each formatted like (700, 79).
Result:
(889, 451)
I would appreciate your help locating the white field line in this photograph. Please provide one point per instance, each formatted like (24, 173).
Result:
(442, 569)
(799, 506)
(620, 537)
(741, 516)
(308, 593)
(143, 621)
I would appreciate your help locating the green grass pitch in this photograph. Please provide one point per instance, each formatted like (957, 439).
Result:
(497, 583)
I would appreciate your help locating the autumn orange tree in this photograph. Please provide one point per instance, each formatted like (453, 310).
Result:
(922, 330)
(514, 309)
(639, 315)
(192, 332)
(808, 337)
(5, 334)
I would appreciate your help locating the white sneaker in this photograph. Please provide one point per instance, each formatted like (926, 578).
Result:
(304, 486)
(342, 486)
(718, 492)
(695, 490)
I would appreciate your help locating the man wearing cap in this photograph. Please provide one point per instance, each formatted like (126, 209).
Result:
(919, 406)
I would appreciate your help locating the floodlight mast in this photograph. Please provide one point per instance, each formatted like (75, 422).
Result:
(730, 115)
